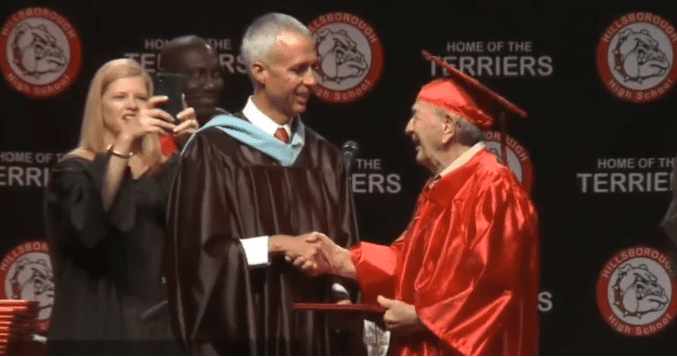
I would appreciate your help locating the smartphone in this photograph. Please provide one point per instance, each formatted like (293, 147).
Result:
(170, 85)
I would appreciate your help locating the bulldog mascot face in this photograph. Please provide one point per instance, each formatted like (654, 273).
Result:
(637, 56)
(339, 56)
(637, 292)
(35, 51)
(33, 281)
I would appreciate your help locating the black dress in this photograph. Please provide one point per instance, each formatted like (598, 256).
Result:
(224, 191)
(107, 265)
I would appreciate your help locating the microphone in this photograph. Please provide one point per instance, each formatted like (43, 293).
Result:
(348, 153)
(154, 310)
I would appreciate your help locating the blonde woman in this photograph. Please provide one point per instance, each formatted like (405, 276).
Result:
(105, 219)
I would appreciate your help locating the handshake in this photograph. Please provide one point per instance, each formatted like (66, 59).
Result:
(315, 254)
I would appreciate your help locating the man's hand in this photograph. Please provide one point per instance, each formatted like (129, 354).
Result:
(314, 262)
(303, 251)
(400, 316)
(336, 258)
(188, 125)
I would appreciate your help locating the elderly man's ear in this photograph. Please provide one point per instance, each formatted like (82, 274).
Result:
(449, 128)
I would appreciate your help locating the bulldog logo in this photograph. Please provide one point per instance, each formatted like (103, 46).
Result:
(339, 56)
(40, 52)
(33, 280)
(637, 292)
(350, 57)
(635, 57)
(638, 57)
(35, 51)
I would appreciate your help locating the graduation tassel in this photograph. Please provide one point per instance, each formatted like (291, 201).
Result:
(504, 150)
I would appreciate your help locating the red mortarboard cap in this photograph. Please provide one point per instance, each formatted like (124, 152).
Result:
(464, 95)
(454, 97)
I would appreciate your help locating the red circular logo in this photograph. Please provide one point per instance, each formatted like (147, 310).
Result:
(26, 274)
(350, 55)
(636, 291)
(635, 57)
(40, 52)
(518, 157)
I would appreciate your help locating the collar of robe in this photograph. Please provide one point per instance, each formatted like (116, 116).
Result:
(252, 135)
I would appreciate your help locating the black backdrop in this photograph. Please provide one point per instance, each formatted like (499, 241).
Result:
(577, 131)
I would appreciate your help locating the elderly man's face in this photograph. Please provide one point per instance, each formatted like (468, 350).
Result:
(425, 128)
(289, 77)
(203, 81)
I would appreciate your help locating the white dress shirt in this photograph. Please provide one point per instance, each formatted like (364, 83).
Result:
(256, 248)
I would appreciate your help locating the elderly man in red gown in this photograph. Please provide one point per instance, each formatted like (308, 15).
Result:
(463, 277)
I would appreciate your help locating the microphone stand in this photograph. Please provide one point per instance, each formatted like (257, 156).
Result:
(155, 309)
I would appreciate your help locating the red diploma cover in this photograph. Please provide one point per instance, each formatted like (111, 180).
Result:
(369, 311)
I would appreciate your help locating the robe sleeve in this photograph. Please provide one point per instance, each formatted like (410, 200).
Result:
(483, 265)
(375, 265)
(75, 191)
(122, 213)
(206, 268)
(76, 195)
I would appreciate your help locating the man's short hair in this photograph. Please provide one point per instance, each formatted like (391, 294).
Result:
(260, 36)
(469, 134)
(169, 49)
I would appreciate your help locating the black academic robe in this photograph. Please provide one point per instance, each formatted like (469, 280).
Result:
(107, 265)
(224, 191)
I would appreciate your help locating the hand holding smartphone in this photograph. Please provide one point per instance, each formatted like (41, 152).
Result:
(170, 85)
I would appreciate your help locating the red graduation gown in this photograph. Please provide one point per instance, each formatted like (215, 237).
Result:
(469, 262)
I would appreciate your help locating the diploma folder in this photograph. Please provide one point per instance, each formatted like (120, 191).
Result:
(369, 311)
(364, 322)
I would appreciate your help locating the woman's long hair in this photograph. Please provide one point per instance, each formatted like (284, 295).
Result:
(92, 131)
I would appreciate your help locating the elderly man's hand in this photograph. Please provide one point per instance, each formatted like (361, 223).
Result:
(308, 255)
(336, 258)
(303, 251)
(400, 316)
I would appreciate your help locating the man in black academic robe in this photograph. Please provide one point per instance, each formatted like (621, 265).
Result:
(245, 196)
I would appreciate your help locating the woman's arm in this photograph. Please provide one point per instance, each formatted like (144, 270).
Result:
(148, 120)
(117, 166)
